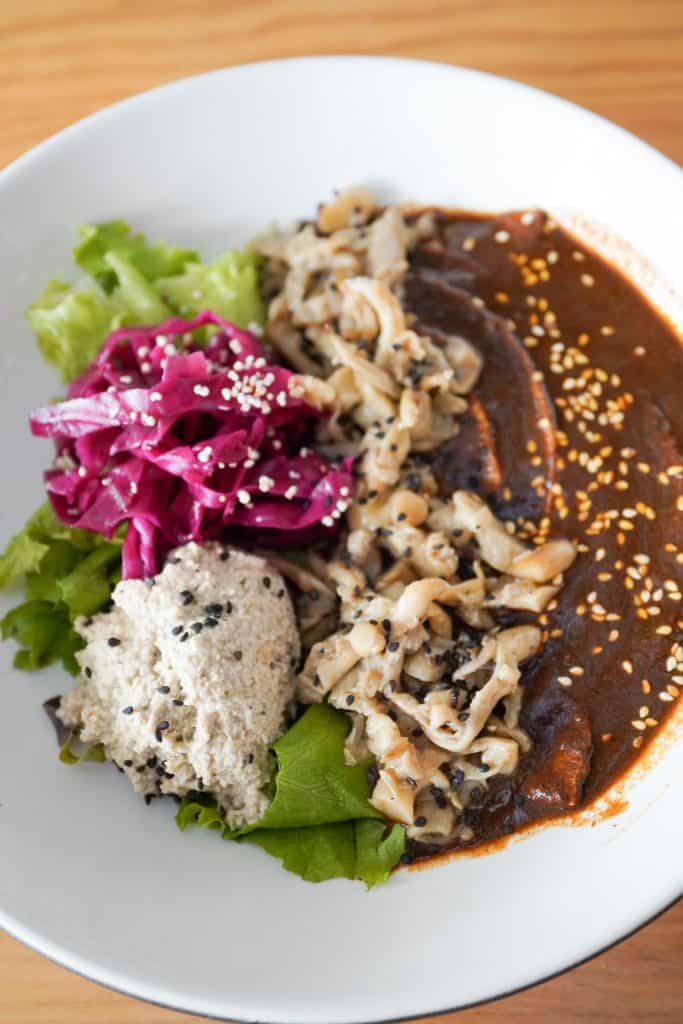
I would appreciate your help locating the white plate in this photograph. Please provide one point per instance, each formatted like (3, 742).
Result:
(88, 875)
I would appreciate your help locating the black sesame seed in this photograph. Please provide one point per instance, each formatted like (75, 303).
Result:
(224, 555)
(184, 637)
(213, 609)
(178, 703)
(280, 593)
(463, 716)
(210, 622)
(148, 798)
(151, 761)
(439, 798)
(457, 778)
(140, 769)
(401, 516)
(250, 758)
(177, 630)
(128, 763)
(161, 727)
(386, 625)
(228, 607)
(420, 821)
(267, 582)
(237, 655)
(113, 641)
(128, 710)
(197, 627)
(163, 689)
(187, 596)
(88, 673)
(393, 645)
(350, 699)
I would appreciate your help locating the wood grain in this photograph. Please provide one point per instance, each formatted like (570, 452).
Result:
(63, 59)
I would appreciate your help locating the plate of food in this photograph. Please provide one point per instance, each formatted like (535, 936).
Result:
(344, 542)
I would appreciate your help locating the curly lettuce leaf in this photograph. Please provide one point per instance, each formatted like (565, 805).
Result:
(66, 573)
(44, 633)
(137, 283)
(228, 285)
(23, 554)
(320, 823)
(99, 241)
(71, 324)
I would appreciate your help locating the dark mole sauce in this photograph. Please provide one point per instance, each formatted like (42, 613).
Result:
(588, 448)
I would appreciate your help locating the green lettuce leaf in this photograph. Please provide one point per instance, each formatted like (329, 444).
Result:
(362, 850)
(135, 294)
(73, 751)
(66, 573)
(23, 554)
(228, 285)
(98, 241)
(137, 283)
(320, 823)
(313, 786)
(315, 854)
(71, 324)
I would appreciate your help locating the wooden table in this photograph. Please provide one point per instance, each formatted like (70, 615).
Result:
(62, 59)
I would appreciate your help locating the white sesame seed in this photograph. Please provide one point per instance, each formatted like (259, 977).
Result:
(155, 396)
(201, 390)
(205, 454)
(243, 497)
(502, 237)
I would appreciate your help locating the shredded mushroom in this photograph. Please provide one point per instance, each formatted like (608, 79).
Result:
(401, 637)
